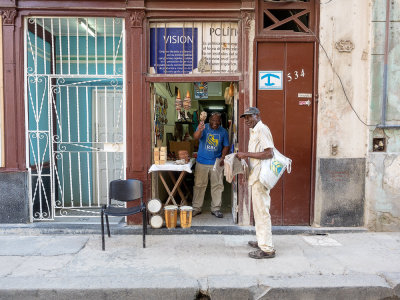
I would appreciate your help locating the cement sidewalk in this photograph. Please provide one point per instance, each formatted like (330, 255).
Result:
(334, 266)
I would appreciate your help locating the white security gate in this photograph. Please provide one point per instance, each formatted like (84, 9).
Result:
(75, 112)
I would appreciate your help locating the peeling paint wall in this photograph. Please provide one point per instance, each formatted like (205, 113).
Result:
(341, 136)
(383, 192)
(383, 168)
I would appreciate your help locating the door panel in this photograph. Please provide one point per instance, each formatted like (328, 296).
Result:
(272, 108)
(298, 133)
(288, 113)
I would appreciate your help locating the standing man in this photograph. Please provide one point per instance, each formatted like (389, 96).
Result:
(213, 144)
(260, 147)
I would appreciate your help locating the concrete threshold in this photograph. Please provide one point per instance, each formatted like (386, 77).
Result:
(123, 229)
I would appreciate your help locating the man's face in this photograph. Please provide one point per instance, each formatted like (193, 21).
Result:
(251, 120)
(215, 122)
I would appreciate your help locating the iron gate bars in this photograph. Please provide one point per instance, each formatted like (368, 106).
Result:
(75, 107)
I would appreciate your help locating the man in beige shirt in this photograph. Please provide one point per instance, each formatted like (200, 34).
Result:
(260, 147)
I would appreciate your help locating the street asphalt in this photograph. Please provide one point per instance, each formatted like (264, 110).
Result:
(308, 265)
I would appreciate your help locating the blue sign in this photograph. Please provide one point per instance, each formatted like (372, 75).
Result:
(270, 80)
(173, 50)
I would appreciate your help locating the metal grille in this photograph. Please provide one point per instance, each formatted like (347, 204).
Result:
(286, 17)
(193, 47)
(75, 112)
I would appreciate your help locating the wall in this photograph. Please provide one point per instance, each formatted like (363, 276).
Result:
(341, 137)
(13, 185)
(383, 168)
(14, 203)
(1, 101)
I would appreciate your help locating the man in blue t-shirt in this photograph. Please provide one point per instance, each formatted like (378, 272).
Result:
(213, 144)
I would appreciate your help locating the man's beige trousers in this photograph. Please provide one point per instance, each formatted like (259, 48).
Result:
(202, 172)
(261, 204)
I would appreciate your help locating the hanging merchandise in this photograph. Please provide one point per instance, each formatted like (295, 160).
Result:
(231, 90)
(187, 104)
(203, 116)
(195, 121)
(200, 90)
(178, 105)
(160, 116)
(229, 93)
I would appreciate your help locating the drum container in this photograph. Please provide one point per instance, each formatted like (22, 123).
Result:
(171, 216)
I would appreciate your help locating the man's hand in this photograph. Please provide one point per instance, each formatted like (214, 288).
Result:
(241, 155)
(201, 126)
(221, 162)
(199, 131)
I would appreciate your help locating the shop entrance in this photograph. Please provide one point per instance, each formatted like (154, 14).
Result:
(286, 105)
(173, 128)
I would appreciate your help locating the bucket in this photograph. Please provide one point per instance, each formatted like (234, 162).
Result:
(154, 206)
(171, 215)
(156, 221)
(186, 216)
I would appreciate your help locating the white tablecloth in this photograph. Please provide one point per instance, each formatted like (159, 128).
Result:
(171, 166)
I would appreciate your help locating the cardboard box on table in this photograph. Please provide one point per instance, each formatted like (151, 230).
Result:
(188, 146)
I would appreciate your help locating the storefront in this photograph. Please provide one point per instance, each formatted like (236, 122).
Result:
(86, 85)
(100, 81)
(94, 86)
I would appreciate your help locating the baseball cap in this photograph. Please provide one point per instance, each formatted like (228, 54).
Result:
(251, 111)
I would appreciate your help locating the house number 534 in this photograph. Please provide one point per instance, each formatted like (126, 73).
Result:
(295, 75)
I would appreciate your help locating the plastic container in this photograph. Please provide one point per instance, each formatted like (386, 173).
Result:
(186, 216)
(171, 216)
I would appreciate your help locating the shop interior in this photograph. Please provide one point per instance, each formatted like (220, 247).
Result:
(176, 109)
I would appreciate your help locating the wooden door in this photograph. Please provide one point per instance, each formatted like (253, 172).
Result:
(288, 111)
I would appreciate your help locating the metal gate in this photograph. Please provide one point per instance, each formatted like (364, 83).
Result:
(75, 107)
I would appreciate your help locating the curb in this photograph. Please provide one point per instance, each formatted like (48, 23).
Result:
(122, 229)
(352, 286)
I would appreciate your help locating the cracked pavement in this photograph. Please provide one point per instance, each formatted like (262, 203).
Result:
(178, 264)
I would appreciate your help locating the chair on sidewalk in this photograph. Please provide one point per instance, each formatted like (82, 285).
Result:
(124, 190)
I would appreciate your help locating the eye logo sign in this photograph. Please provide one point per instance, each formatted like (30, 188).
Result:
(212, 142)
(270, 80)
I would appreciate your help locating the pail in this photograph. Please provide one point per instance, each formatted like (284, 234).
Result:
(171, 215)
(156, 221)
(186, 216)
(154, 206)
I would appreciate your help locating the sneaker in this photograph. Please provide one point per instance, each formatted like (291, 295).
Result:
(196, 213)
(259, 254)
(253, 244)
(217, 213)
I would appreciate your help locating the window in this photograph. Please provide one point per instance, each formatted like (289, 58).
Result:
(193, 47)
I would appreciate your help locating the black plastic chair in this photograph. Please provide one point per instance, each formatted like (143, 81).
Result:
(124, 190)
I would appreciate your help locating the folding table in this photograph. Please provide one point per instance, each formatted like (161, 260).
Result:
(170, 167)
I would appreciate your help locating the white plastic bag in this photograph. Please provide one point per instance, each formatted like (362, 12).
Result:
(272, 169)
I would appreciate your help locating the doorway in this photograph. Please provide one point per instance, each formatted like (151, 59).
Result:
(174, 130)
(75, 109)
(286, 107)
